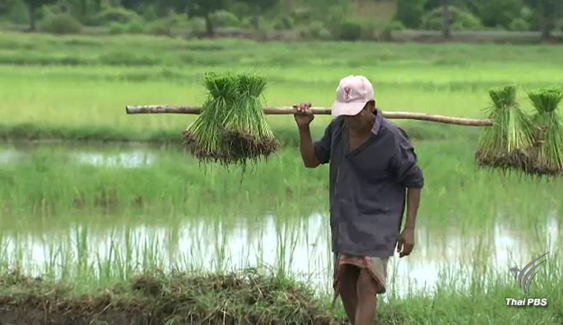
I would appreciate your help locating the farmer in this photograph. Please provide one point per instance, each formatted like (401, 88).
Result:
(372, 166)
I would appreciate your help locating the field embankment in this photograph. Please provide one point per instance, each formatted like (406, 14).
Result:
(246, 297)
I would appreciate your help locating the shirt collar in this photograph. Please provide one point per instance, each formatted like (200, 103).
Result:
(377, 123)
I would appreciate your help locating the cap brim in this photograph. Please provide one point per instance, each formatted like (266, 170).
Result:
(347, 109)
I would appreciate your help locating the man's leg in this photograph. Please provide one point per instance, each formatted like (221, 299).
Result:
(348, 283)
(371, 282)
(367, 298)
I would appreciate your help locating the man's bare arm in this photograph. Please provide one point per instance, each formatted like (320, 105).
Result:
(307, 147)
(413, 201)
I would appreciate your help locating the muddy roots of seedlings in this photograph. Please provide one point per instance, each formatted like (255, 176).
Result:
(528, 160)
(245, 146)
(517, 160)
(242, 147)
(524, 161)
(202, 153)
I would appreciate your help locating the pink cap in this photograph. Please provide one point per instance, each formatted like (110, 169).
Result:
(352, 94)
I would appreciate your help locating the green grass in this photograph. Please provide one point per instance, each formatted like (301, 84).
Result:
(55, 82)
(52, 178)
(58, 213)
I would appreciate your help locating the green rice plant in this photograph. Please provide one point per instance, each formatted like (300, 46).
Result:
(550, 135)
(204, 135)
(232, 127)
(247, 133)
(505, 143)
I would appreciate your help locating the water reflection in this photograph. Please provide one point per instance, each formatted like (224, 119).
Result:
(126, 157)
(131, 159)
(9, 156)
(302, 248)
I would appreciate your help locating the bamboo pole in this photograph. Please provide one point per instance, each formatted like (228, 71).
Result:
(168, 109)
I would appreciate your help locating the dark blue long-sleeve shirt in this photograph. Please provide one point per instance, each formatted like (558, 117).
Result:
(368, 186)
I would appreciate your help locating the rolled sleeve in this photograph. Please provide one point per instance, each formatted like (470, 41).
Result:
(405, 163)
(322, 146)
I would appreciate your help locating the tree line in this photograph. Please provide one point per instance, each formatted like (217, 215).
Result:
(318, 18)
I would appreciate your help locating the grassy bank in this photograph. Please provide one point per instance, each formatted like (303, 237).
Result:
(249, 297)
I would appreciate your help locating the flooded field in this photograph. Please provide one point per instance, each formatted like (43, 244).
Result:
(300, 249)
(106, 218)
(230, 230)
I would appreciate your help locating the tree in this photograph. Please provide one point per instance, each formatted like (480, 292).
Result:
(495, 13)
(32, 6)
(547, 13)
(204, 9)
(446, 20)
(258, 7)
(410, 12)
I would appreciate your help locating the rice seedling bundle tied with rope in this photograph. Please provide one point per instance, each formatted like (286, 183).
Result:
(232, 126)
(549, 137)
(505, 144)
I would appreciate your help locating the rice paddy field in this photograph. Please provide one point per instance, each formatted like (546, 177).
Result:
(106, 217)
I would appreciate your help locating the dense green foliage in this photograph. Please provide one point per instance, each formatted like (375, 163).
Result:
(339, 19)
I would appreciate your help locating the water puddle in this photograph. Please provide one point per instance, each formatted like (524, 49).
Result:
(123, 158)
(10, 156)
(301, 248)
(132, 159)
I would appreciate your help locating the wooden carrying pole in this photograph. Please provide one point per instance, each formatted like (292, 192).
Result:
(166, 109)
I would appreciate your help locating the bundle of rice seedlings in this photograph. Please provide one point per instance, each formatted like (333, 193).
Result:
(246, 130)
(232, 126)
(505, 143)
(549, 139)
(205, 135)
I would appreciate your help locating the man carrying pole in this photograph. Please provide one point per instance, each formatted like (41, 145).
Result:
(373, 171)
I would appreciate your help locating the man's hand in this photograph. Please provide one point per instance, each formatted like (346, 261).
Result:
(304, 115)
(406, 242)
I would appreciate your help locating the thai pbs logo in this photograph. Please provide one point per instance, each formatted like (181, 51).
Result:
(524, 278)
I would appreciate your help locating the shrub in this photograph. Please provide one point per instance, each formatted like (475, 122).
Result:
(386, 34)
(117, 15)
(301, 15)
(196, 24)
(283, 23)
(460, 20)
(117, 28)
(223, 19)
(395, 25)
(368, 29)
(519, 25)
(246, 23)
(350, 31)
(60, 24)
(161, 27)
(180, 21)
(317, 30)
(559, 25)
(371, 30)
(135, 27)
